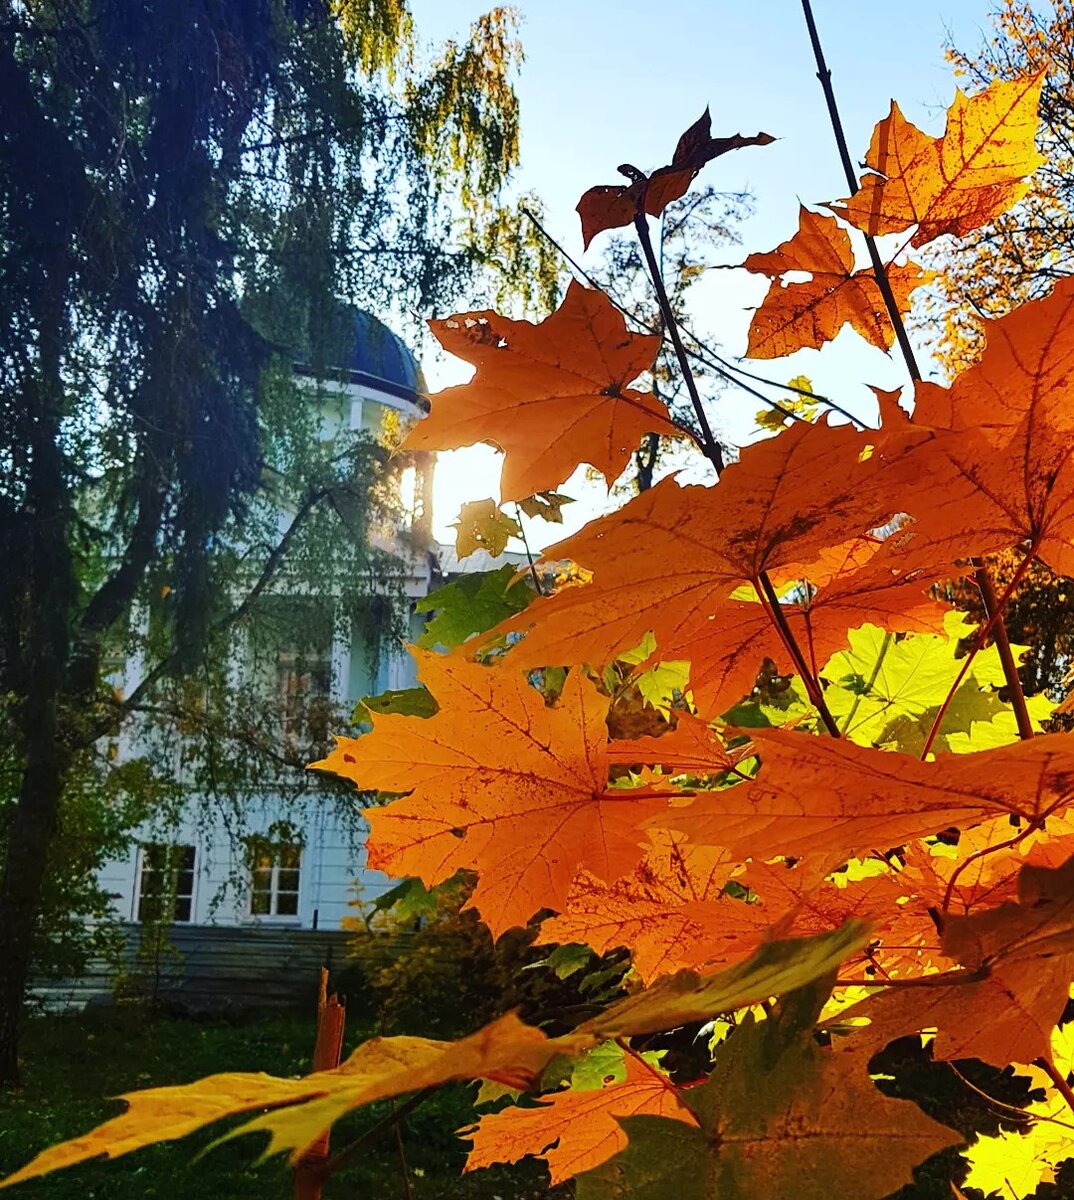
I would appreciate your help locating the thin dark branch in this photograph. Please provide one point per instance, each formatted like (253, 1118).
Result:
(264, 579)
(879, 269)
(713, 365)
(812, 684)
(529, 555)
(353, 1149)
(713, 450)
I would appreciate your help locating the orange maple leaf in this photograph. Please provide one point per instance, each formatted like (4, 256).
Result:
(574, 1131)
(551, 396)
(615, 205)
(955, 183)
(301, 1109)
(671, 558)
(499, 783)
(674, 911)
(807, 314)
(1018, 959)
(997, 472)
(860, 583)
(1026, 370)
(670, 913)
(833, 799)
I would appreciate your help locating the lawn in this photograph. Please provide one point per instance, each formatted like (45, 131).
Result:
(72, 1063)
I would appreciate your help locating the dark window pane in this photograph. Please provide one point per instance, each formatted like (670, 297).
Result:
(288, 881)
(182, 908)
(290, 856)
(287, 904)
(259, 904)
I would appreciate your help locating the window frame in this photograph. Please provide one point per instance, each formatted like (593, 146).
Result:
(144, 870)
(273, 891)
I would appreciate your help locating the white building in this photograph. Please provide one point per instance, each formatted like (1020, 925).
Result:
(287, 868)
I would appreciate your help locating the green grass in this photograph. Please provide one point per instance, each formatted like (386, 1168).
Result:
(72, 1064)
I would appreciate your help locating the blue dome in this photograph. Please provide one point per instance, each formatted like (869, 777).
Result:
(379, 353)
(368, 352)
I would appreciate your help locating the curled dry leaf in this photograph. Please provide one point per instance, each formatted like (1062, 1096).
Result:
(615, 205)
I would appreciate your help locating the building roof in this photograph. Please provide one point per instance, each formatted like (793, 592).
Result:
(452, 566)
(367, 352)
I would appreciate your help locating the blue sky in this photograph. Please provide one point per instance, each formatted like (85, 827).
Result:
(610, 81)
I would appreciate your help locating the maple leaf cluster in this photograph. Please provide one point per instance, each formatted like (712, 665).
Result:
(889, 848)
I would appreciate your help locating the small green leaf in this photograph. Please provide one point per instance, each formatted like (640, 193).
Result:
(405, 702)
(472, 604)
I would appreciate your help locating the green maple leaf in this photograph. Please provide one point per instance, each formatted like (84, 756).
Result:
(779, 1116)
(471, 605)
(887, 691)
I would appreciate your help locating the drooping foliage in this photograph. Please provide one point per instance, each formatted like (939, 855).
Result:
(193, 202)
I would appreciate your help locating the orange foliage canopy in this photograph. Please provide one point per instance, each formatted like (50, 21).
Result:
(736, 868)
(955, 183)
(674, 555)
(808, 314)
(551, 396)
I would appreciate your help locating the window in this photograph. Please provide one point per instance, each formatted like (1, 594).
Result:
(166, 883)
(274, 876)
(302, 682)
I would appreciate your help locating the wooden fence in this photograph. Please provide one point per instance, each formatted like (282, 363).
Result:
(216, 969)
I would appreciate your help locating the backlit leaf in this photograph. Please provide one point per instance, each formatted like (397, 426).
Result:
(955, 183)
(804, 315)
(551, 396)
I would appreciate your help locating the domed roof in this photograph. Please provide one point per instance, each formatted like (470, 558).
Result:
(368, 352)
(380, 353)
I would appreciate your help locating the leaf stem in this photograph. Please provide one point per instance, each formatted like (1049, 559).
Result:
(1058, 1079)
(779, 619)
(994, 618)
(529, 555)
(987, 589)
(1010, 670)
(703, 354)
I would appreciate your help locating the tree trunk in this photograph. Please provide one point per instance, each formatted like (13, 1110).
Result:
(48, 590)
(20, 889)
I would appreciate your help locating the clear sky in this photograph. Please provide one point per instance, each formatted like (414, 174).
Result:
(610, 81)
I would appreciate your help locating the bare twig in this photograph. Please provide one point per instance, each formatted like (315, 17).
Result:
(884, 283)
(353, 1149)
(879, 269)
(712, 448)
(979, 642)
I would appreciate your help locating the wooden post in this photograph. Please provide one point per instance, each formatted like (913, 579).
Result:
(309, 1172)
